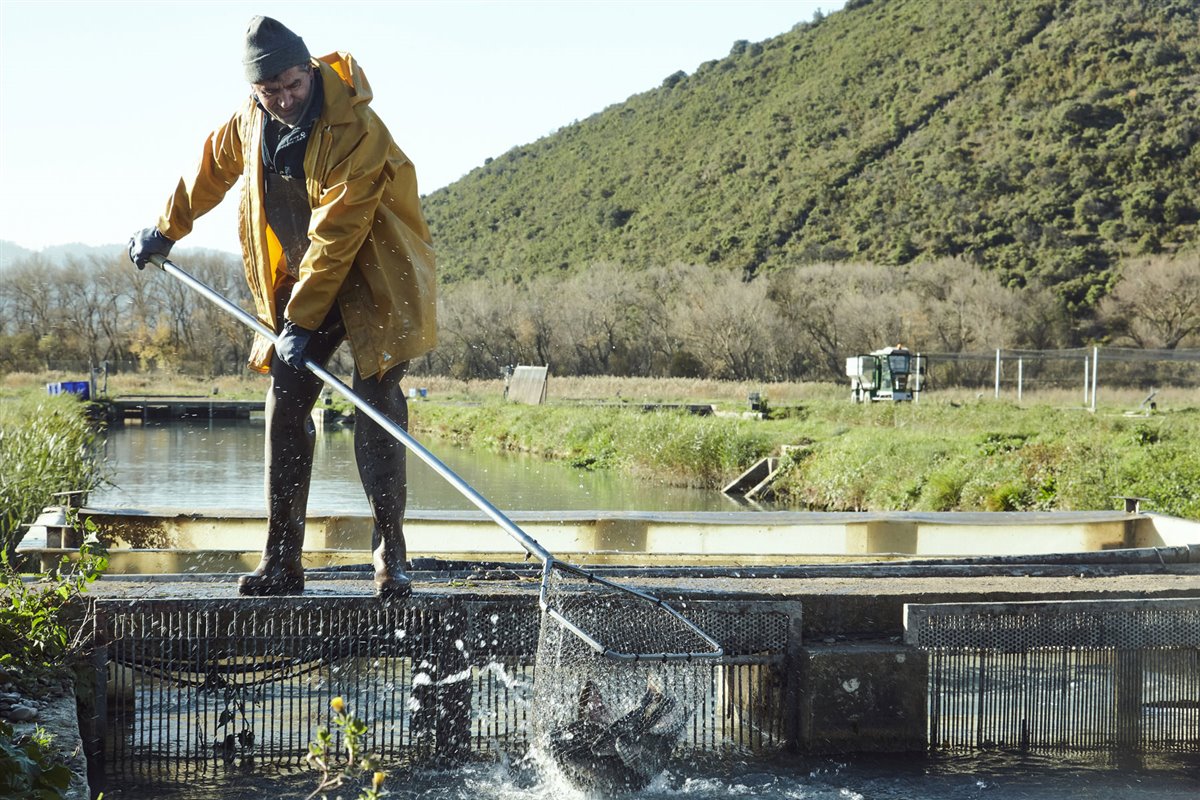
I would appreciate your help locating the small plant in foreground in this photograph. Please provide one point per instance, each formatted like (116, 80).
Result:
(28, 767)
(322, 756)
(38, 634)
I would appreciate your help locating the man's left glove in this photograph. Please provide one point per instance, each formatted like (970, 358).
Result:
(148, 242)
(291, 344)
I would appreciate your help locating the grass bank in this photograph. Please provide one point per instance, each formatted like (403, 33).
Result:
(999, 457)
(958, 449)
(679, 448)
(978, 455)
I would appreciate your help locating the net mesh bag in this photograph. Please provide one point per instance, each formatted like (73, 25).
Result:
(608, 724)
(619, 622)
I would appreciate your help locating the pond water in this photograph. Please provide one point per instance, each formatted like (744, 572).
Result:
(201, 466)
(864, 777)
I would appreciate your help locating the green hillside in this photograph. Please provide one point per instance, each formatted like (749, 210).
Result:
(1045, 139)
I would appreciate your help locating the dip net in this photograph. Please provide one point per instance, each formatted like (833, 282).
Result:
(619, 675)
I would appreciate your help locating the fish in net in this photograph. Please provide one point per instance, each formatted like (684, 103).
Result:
(613, 705)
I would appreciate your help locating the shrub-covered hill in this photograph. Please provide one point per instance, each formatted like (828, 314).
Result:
(1043, 138)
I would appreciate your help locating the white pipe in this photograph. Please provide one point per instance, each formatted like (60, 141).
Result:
(1020, 377)
(997, 373)
(1095, 372)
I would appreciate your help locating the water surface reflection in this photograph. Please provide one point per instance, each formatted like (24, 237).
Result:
(218, 465)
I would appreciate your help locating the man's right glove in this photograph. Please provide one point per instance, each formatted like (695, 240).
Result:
(146, 243)
(291, 343)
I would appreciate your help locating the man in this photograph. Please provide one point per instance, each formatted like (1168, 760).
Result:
(335, 247)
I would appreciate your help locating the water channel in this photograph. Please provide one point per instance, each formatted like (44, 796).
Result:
(203, 466)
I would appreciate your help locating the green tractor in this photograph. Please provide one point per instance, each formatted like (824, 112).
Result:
(893, 373)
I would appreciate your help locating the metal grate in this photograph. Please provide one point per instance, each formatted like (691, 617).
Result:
(1114, 675)
(182, 684)
(254, 678)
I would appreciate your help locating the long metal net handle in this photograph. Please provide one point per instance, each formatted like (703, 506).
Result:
(525, 540)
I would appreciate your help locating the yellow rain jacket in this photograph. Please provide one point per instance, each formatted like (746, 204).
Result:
(370, 249)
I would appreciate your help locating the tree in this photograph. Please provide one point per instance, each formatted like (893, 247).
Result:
(1156, 302)
(597, 312)
(89, 300)
(721, 320)
(27, 298)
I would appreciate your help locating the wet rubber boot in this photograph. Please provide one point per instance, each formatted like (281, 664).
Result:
(288, 457)
(382, 469)
(280, 572)
(390, 560)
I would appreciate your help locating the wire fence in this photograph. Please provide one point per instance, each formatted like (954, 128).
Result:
(1084, 373)
(1086, 370)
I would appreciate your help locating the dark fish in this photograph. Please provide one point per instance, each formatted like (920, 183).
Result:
(599, 754)
(226, 748)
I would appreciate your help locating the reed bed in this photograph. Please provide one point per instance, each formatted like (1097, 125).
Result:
(46, 446)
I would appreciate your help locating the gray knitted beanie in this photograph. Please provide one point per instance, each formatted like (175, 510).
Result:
(270, 49)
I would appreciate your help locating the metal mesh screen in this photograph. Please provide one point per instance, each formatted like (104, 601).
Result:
(247, 680)
(1016, 627)
(1085, 675)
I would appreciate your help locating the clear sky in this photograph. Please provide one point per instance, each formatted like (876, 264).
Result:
(103, 105)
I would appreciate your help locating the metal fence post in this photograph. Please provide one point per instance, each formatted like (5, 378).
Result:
(1095, 371)
(1086, 377)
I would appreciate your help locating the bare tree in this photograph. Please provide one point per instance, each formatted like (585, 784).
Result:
(808, 333)
(535, 320)
(1156, 302)
(830, 311)
(721, 319)
(88, 308)
(477, 327)
(219, 344)
(597, 314)
(28, 300)
(658, 344)
(964, 308)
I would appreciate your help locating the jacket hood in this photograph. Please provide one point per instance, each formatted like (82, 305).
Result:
(351, 74)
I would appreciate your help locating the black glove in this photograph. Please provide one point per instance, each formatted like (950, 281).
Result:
(291, 343)
(148, 242)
